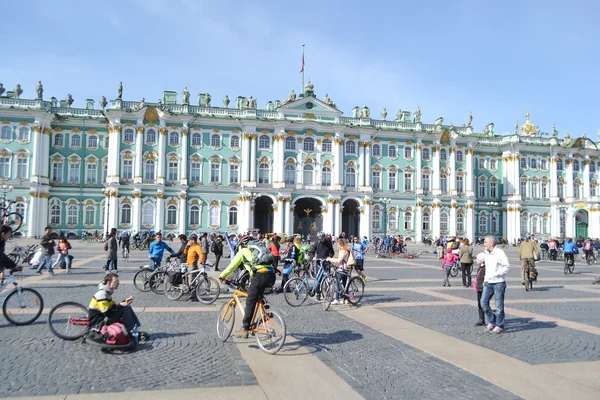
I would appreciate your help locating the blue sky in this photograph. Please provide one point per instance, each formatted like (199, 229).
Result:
(448, 57)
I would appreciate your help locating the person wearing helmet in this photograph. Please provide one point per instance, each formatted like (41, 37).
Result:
(262, 277)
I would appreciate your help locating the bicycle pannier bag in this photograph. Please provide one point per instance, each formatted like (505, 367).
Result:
(175, 278)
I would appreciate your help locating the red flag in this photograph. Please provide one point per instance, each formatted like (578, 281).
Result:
(302, 70)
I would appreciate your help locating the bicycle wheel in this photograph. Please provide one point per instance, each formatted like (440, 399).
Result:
(157, 282)
(453, 271)
(14, 257)
(527, 280)
(208, 290)
(356, 289)
(14, 220)
(172, 292)
(141, 281)
(22, 306)
(327, 292)
(225, 320)
(571, 268)
(295, 292)
(133, 246)
(270, 332)
(68, 320)
(566, 266)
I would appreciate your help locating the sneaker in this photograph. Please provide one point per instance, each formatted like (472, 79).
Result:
(241, 333)
(480, 323)
(335, 302)
(38, 272)
(51, 273)
(364, 278)
(497, 330)
(490, 327)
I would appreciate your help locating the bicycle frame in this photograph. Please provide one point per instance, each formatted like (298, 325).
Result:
(259, 309)
(7, 280)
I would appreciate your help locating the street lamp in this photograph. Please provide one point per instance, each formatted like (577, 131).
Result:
(385, 201)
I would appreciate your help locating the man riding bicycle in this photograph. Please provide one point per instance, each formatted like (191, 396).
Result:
(124, 239)
(528, 253)
(570, 249)
(588, 250)
(262, 277)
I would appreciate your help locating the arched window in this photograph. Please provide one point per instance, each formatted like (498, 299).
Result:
(309, 144)
(55, 214)
(444, 183)
(493, 188)
(426, 222)
(194, 215)
(407, 221)
(376, 179)
(443, 155)
(524, 225)
(290, 143)
(544, 190)
(592, 166)
(376, 150)
(127, 136)
(215, 172)
(150, 136)
(195, 171)
(234, 173)
(126, 214)
(481, 163)
(408, 152)
(6, 133)
(533, 163)
(264, 142)
(308, 174)
(407, 181)
(58, 139)
(523, 187)
(215, 140)
(534, 190)
(350, 177)
(289, 176)
(426, 181)
(22, 168)
(173, 171)
(173, 138)
(263, 173)
(376, 220)
(534, 224)
(444, 222)
(20, 209)
(560, 188)
(92, 142)
(481, 190)
(425, 153)
(392, 180)
(235, 141)
(75, 141)
(523, 163)
(90, 215)
(393, 151)
(577, 190)
(593, 188)
(559, 164)
(326, 146)
(214, 216)
(460, 157)
(171, 215)
(545, 226)
(576, 165)
(393, 221)
(127, 168)
(233, 216)
(483, 224)
(350, 147)
(148, 214)
(494, 164)
(494, 223)
(197, 140)
(149, 174)
(326, 176)
(460, 222)
(72, 214)
(544, 164)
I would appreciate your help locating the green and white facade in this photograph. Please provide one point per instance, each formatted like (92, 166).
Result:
(297, 166)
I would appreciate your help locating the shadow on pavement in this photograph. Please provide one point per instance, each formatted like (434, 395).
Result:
(526, 324)
(317, 342)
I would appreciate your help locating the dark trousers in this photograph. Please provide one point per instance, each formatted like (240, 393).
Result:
(481, 313)
(467, 269)
(217, 259)
(124, 314)
(256, 290)
(284, 279)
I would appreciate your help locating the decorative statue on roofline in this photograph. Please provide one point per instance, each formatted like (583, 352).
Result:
(18, 91)
(185, 97)
(517, 127)
(291, 97)
(365, 112)
(554, 131)
(328, 101)
(399, 116)
(226, 101)
(418, 115)
(384, 113)
(120, 91)
(142, 103)
(2, 90)
(39, 89)
(103, 102)
(207, 100)
(69, 100)
(470, 118)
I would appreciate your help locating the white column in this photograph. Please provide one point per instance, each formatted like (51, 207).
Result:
(162, 149)
(337, 226)
(278, 209)
(586, 179)
(278, 161)
(183, 214)
(365, 219)
(594, 222)
(112, 212)
(362, 173)
(555, 221)
(368, 169)
(435, 166)
(553, 180)
(338, 162)
(253, 160)
(419, 222)
(160, 212)
(328, 217)
(139, 155)
(504, 224)
(469, 173)
(471, 222)
(452, 221)
(112, 174)
(36, 162)
(452, 176)
(419, 169)
(137, 211)
(516, 175)
(570, 224)
(184, 158)
(244, 214)
(42, 214)
(245, 172)
(435, 222)
(569, 183)
(289, 217)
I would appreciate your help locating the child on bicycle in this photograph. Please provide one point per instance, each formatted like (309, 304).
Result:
(342, 269)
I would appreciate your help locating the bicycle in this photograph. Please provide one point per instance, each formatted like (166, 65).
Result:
(267, 325)
(207, 289)
(352, 291)
(590, 258)
(125, 252)
(569, 263)
(529, 276)
(296, 290)
(146, 279)
(20, 302)
(456, 268)
(11, 218)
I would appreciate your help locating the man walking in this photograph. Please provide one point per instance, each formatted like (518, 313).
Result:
(496, 267)
(47, 245)
(112, 249)
(217, 249)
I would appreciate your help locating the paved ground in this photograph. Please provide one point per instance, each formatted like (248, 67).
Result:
(410, 338)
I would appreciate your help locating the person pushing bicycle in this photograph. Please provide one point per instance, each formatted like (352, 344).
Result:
(262, 276)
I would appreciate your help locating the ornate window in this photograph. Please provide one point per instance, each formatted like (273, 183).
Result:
(544, 164)
(233, 216)
(22, 168)
(350, 147)
(376, 150)
(326, 146)
(376, 180)
(481, 163)
(443, 155)
(483, 224)
(194, 215)
(576, 165)
(215, 140)
(90, 215)
(75, 141)
(493, 188)
(196, 171)
(426, 221)
(59, 140)
(74, 168)
(106, 141)
(524, 225)
(482, 185)
(72, 214)
(533, 162)
(460, 184)
(444, 222)
(592, 166)
(393, 151)
(148, 214)
(308, 174)
(494, 222)
(425, 154)
(172, 215)
(173, 171)
(263, 173)
(535, 225)
(326, 176)
(460, 222)
(544, 225)
(408, 181)
(350, 177)
(215, 172)
(523, 187)
(92, 172)
(534, 190)
(57, 170)
(173, 138)
(407, 221)
(289, 175)
(55, 214)
(149, 171)
(197, 140)
(408, 153)
(460, 156)
(127, 135)
(494, 164)
(6, 133)
(376, 220)
(290, 143)
(235, 141)
(309, 144)
(264, 142)
(214, 216)
(523, 163)
(150, 136)
(544, 190)
(444, 183)
(559, 164)
(560, 188)
(234, 173)
(393, 221)
(426, 182)
(127, 168)
(126, 214)
(392, 180)
(577, 190)
(92, 142)
(20, 209)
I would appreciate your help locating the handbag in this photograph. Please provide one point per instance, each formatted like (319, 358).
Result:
(535, 256)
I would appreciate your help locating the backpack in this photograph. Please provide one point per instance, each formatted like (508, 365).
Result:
(587, 246)
(260, 253)
(115, 333)
(351, 260)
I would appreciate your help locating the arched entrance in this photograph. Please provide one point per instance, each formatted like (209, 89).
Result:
(581, 224)
(263, 214)
(351, 218)
(308, 217)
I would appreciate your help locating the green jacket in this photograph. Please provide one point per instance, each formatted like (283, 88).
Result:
(243, 257)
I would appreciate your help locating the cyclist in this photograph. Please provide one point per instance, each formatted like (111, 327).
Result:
(262, 277)
(157, 248)
(181, 252)
(358, 249)
(528, 253)
(293, 252)
(588, 250)
(570, 249)
(341, 261)
(124, 239)
(5, 262)
(552, 249)
(322, 248)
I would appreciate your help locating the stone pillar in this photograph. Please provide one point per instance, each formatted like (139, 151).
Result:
(161, 163)
(469, 173)
(570, 196)
(452, 176)
(183, 213)
(244, 213)
(184, 159)
(36, 162)
(555, 220)
(251, 214)
(289, 216)
(278, 161)
(419, 169)
(160, 212)
(42, 214)
(338, 162)
(278, 209)
(337, 225)
(139, 156)
(471, 222)
(245, 169)
(586, 179)
(594, 221)
(365, 219)
(452, 219)
(369, 168)
(362, 173)
(328, 215)
(435, 222)
(112, 174)
(253, 160)
(435, 166)
(505, 223)
(419, 222)
(570, 222)
(137, 211)
(553, 180)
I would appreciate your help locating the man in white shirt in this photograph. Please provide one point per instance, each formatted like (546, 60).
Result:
(496, 267)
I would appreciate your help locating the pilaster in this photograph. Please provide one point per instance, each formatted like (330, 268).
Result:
(471, 222)
(253, 160)
(112, 174)
(452, 221)
(184, 159)
(183, 213)
(160, 211)
(161, 163)
(419, 222)
(365, 219)
(436, 187)
(469, 173)
(288, 214)
(570, 195)
(586, 179)
(139, 156)
(419, 169)
(137, 211)
(436, 219)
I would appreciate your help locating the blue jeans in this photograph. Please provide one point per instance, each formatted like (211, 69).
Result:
(154, 263)
(497, 290)
(61, 258)
(340, 283)
(111, 265)
(45, 262)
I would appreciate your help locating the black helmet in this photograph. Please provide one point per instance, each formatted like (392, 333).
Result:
(193, 236)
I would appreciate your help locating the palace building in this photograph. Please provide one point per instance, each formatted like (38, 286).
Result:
(296, 166)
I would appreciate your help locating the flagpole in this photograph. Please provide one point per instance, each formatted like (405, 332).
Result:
(303, 63)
